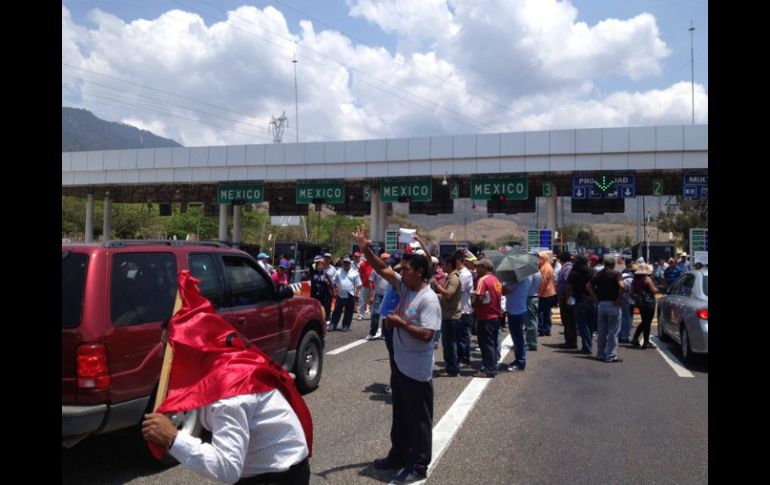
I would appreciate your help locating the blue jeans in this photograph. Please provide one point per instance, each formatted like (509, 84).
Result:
(531, 321)
(516, 328)
(608, 322)
(451, 330)
(626, 322)
(375, 322)
(585, 317)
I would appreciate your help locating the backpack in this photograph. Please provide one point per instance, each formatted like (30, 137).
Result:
(644, 298)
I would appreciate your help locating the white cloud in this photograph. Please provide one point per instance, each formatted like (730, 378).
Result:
(461, 67)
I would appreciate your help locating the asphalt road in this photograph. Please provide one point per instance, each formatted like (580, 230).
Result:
(566, 419)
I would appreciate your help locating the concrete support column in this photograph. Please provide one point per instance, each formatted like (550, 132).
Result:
(374, 214)
(89, 235)
(550, 209)
(107, 225)
(237, 212)
(383, 224)
(223, 222)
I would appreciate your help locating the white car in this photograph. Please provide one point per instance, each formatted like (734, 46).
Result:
(683, 314)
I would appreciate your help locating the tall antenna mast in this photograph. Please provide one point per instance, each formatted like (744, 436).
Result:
(692, 72)
(296, 109)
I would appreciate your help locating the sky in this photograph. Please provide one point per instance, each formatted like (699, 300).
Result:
(216, 72)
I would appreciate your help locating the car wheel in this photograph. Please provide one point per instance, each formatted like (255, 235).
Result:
(186, 423)
(309, 363)
(684, 340)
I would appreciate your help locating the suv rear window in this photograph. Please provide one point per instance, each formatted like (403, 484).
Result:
(73, 280)
(143, 287)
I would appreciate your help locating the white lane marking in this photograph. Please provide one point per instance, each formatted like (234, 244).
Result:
(670, 358)
(349, 346)
(450, 423)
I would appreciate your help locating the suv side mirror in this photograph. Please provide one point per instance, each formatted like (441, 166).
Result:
(285, 293)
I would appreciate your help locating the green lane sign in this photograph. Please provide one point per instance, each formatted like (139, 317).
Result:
(416, 190)
(391, 240)
(367, 193)
(547, 189)
(330, 193)
(454, 191)
(513, 188)
(248, 194)
(699, 240)
(657, 186)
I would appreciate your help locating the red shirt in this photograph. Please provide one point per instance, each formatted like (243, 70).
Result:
(280, 279)
(489, 285)
(364, 270)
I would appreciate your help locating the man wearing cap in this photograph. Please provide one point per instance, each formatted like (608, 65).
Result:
(606, 287)
(348, 283)
(365, 270)
(321, 286)
(487, 302)
(467, 315)
(684, 263)
(414, 322)
(262, 260)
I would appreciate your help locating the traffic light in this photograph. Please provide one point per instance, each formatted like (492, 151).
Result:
(500, 197)
(405, 198)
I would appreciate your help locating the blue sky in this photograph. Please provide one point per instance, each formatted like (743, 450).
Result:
(208, 72)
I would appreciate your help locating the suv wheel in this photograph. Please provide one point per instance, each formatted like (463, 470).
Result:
(309, 362)
(190, 424)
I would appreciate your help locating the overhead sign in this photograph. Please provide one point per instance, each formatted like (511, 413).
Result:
(696, 186)
(512, 188)
(547, 189)
(367, 193)
(540, 238)
(415, 190)
(454, 191)
(603, 187)
(330, 193)
(248, 194)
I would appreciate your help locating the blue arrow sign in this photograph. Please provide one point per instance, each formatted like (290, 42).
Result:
(603, 187)
(704, 192)
(690, 192)
(578, 193)
(629, 191)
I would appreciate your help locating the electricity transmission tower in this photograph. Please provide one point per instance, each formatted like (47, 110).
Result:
(276, 127)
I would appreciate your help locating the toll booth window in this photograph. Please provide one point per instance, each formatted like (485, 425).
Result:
(73, 281)
(247, 285)
(143, 288)
(202, 267)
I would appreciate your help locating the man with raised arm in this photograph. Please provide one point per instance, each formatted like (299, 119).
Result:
(414, 321)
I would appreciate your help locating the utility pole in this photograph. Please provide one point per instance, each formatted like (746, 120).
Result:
(296, 106)
(692, 71)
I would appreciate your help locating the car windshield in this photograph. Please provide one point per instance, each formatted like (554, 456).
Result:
(706, 284)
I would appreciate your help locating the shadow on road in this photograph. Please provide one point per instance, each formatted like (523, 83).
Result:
(378, 393)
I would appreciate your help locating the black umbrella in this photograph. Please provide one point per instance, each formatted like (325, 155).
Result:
(514, 265)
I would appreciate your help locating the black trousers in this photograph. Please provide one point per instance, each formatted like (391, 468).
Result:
(298, 474)
(487, 337)
(411, 433)
(647, 311)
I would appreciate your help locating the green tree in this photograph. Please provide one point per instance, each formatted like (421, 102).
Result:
(689, 214)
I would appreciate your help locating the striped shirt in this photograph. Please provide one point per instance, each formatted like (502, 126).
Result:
(251, 434)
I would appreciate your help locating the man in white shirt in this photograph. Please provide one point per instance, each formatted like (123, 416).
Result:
(348, 283)
(256, 439)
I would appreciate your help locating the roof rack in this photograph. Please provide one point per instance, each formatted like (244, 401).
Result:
(119, 243)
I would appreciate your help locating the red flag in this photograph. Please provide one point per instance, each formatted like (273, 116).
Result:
(212, 362)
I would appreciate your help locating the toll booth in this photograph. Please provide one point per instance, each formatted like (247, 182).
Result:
(301, 252)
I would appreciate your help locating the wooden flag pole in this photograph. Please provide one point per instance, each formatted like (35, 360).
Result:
(168, 358)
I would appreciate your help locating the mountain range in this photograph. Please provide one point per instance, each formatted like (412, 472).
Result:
(82, 131)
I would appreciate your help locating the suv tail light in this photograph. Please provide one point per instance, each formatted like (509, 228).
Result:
(703, 313)
(93, 371)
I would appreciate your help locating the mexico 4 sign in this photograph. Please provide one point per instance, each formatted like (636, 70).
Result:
(513, 188)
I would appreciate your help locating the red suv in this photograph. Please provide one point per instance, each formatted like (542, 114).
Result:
(114, 298)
